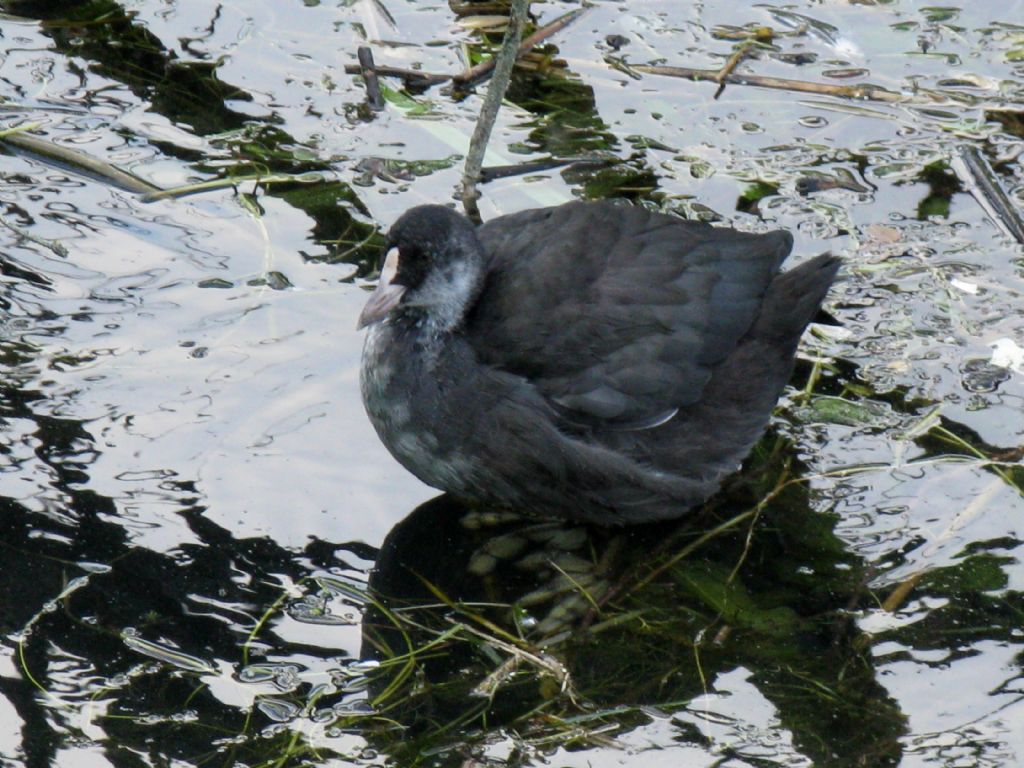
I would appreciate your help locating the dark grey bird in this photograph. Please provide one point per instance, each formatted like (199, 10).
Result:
(592, 361)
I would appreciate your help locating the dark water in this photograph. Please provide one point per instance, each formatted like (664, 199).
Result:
(191, 498)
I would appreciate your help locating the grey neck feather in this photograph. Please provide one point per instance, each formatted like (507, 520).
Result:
(447, 294)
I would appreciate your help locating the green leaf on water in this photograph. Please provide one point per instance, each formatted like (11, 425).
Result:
(754, 192)
(731, 601)
(838, 410)
(404, 101)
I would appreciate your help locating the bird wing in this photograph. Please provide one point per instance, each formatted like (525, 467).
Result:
(617, 314)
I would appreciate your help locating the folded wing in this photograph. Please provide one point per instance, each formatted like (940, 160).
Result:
(625, 333)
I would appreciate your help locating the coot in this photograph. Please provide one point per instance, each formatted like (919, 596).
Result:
(592, 361)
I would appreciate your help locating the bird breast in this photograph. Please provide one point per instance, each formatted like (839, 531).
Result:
(398, 392)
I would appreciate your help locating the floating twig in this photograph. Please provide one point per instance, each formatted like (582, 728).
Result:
(481, 70)
(417, 78)
(862, 92)
(727, 69)
(385, 13)
(619, 64)
(503, 63)
(263, 180)
(57, 247)
(412, 77)
(536, 166)
(899, 595)
(75, 161)
(369, 72)
(973, 169)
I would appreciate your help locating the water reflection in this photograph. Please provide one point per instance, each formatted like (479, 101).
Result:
(110, 637)
(485, 621)
(476, 620)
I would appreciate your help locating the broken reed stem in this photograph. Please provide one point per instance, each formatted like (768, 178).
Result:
(480, 70)
(727, 69)
(369, 72)
(492, 103)
(983, 184)
(77, 161)
(411, 76)
(493, 172)
(862, 92)
(476, 73)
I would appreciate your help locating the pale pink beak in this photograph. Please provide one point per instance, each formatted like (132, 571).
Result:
(386, 296)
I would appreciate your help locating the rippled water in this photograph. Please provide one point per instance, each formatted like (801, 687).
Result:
(192, 498)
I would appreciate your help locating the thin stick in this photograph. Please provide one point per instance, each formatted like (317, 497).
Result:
(727, 69)
(982, 183)
(264, 180)
(385, 13)
(481, 70)
(869, 92)
(411, 76)
(899, 595)
(493, 172)
(369, 72)
(473, 74)
(492, 102)
(56, 246)
(78, 161)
